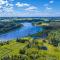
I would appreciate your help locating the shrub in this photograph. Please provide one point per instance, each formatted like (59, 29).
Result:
(22, 51)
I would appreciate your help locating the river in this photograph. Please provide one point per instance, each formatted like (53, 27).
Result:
(26, 30)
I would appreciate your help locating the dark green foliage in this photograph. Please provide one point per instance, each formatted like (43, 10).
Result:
(29, 45)
(44, 41)
(54, 42)
(54, 37)
(4, 43)
(7, 42)
(22, 51)
(15, 57)
(17, 40)
(1, 43)
(24, 57)
(6, 58)
(6, 26)
(21, 40)
(42, 47)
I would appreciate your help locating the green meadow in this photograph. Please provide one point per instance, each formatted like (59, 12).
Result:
(29, 49)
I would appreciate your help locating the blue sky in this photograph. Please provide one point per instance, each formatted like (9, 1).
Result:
(29, 8)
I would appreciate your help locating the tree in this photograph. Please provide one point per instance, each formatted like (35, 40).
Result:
(17, 40)
(22, 51)
(7, 42)
(6, 58)
(54, 37)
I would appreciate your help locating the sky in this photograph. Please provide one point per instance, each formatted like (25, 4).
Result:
(29, 8)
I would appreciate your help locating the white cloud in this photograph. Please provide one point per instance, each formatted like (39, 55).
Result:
(6, 8)
(9, 5)
(18, 4)
(51, 1)
(47, 5)
(3, 2)
(31, 8)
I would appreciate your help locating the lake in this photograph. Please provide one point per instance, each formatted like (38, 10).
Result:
(26, 30)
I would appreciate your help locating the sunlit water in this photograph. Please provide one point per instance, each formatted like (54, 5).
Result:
(26, 30)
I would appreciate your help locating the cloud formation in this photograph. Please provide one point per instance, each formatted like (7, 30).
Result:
(19, 8)
(18, 4)
(51, 1)
(47, 5)
(3, 2)
(7, 8)
(31, 8)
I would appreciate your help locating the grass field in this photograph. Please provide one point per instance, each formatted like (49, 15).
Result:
(11, 49)
(52, 53)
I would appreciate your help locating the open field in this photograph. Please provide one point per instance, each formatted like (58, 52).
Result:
(11, 49)
(30, 48)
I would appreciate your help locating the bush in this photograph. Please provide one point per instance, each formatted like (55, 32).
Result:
(6, 58)
(42, 47)
(22, 51)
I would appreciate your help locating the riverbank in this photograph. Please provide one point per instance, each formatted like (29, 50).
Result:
(6, 26)
(27, 30)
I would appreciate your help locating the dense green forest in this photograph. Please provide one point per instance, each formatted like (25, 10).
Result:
(6, 26)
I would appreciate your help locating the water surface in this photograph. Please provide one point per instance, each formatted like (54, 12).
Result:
(26, 30)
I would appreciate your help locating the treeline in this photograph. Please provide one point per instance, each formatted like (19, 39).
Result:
(7, 26)
(54, 37)
(4, 43)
